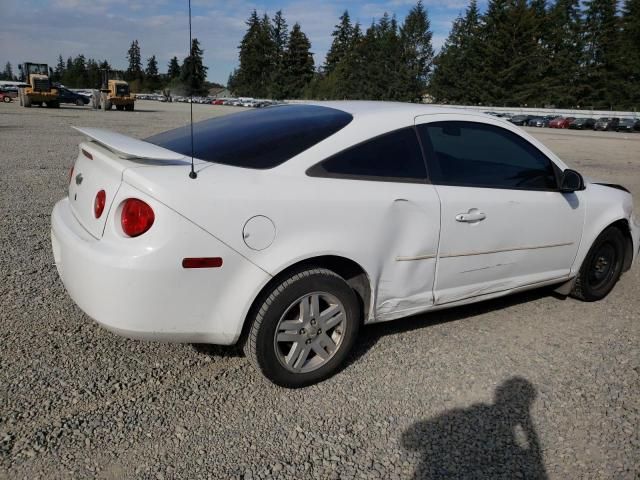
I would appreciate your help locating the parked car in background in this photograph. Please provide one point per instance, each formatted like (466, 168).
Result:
(561, 122)
(625, 125)
(9, 91)
(582, 123)
(67, 96)
(536, 122)
(606, 123)
(520, 120)
(4, 97)
(636, 125)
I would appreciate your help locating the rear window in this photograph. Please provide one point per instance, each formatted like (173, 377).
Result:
(261, 138)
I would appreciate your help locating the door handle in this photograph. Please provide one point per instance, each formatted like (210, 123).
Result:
(471, 216)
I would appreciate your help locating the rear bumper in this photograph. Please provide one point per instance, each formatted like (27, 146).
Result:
(137, 287)
(122, 100)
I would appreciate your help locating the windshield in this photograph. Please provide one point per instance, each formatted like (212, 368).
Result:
(262, 138)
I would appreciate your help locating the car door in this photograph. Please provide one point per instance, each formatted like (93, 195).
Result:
(504, 222)
(394, 215)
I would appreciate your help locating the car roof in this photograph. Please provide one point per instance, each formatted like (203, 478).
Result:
(365, 107)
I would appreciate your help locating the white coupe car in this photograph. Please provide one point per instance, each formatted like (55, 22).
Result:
(306, 221)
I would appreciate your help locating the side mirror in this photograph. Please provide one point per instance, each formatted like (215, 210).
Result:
(571, 181)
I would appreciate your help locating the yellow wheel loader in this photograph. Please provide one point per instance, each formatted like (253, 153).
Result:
(36, 88)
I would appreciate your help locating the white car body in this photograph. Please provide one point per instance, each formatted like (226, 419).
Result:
(404, 237)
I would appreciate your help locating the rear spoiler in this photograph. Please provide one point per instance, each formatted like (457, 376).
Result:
(127, 147)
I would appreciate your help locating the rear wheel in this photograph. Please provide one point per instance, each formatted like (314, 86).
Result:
(26, 101)
(602, 267)
(6, 99)
(303, 328)
(129, 108)
(79, 103)
(120, 107)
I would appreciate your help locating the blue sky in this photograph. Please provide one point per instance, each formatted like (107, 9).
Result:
(37, 30)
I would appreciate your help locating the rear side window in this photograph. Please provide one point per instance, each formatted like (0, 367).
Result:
(395, 156)
(480, 155)
(260, 138)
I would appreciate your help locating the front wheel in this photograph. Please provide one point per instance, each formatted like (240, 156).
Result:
(602, 267)
(303, 328)
(6, 99)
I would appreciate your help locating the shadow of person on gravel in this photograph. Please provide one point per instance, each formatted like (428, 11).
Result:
(496, 441)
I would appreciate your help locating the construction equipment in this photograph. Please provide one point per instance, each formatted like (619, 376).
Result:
(115, 92)
(36, 88)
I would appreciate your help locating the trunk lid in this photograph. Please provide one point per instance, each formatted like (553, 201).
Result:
(100, 166)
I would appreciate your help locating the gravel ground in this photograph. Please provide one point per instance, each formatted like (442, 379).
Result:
(530, 386)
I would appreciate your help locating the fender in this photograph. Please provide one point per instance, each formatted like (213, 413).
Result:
(604, 206)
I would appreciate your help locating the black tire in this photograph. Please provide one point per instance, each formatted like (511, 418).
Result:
(6, 99)
(260, 343)
(602, 267)
(130, 107)
(79, 102)
(120, 107)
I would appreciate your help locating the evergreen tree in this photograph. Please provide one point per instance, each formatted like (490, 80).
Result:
(459, 63)
(257, 53)
(298, 63)
(509, 45)
(280, 31)
(194, 73)
(152, 78)
(94, 76)
(59, 70)
(7, 73)
(564, 50)
(174, 68)
(343, 42)
(630, 55)
(602, 72)
(134, 71)
(417, 51)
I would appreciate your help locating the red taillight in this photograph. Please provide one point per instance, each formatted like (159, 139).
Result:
(137, 217)
(71, 173)
(202, 262)
(98, 203)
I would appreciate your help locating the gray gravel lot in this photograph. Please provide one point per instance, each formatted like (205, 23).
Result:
(530, 386)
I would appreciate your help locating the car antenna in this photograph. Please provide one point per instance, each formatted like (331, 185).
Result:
(192, 173)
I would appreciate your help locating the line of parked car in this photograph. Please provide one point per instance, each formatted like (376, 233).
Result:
(235, 102)
(575, 123)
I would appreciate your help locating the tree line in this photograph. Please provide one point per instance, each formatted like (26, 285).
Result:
(187, 78)
(386, 62)
(528, 52)
(518, 53)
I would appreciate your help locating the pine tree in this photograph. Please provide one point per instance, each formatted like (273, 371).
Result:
(134, 71)
(630, 55)
(8, 72)
(564, 50)
(602, 49)
(509, 46)
(277, 87)
(257, 53)
(59, 70)
(194, 73)
(298, 63)
(459, 63)
(152, 78)
(417, 51)
(343, 37)
(174, 68)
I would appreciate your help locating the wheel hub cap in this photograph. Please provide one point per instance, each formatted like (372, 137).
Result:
(310, 332)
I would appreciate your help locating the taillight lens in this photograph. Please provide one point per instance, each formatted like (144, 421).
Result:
(137, 217)
(98, 203)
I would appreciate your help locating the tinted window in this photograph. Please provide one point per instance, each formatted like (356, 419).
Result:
(262, 138)
(394, 156)
(480, 155)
